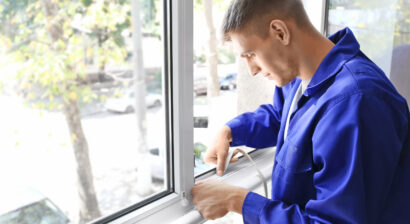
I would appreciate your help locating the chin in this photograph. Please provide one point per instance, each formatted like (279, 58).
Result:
(281, 83)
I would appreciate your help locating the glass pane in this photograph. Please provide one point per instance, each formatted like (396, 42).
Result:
(383, 30)
(215, 78)
(222, 86)
(83, 120)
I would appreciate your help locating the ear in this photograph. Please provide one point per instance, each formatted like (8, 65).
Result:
(279, 30)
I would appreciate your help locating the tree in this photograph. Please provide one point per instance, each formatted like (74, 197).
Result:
(213, 80)
(48, 40)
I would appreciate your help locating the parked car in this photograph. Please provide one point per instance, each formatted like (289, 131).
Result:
(24, 205)
(126, 102)
(228, 82)
(200, 86)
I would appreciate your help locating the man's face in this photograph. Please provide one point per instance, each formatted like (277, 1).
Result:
(266, 56)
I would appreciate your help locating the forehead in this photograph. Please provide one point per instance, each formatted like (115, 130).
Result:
(243, 41)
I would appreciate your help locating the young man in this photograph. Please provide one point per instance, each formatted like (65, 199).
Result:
(340, 128)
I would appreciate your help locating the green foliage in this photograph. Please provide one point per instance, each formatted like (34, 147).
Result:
(199, 148)
(86, 3)
(402, 28)
(151, 17)
(47, 69)
(201, 59)
(198, 6)
(379, 17)
(149, 11)
(9, 22)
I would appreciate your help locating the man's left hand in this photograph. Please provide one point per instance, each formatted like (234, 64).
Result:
(214, 199)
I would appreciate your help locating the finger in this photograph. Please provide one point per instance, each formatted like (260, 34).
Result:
(220, 164)
(234, 160)
(210, 159)
(233, 155)
(198, 183)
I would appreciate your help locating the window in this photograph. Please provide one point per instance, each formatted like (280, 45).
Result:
(383, 31)
(85, 93)
(222, 86)
(138, 83)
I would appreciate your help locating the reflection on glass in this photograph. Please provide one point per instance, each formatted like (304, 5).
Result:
(83, 118)
(383, 31)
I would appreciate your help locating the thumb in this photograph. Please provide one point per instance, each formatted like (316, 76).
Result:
(220, 164)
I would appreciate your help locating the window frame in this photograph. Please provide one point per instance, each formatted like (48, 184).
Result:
(176, 205)
(317, 13)
(178, 30)
(167, 88)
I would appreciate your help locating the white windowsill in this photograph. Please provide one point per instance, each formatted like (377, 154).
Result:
(171, 208)
(241, 175)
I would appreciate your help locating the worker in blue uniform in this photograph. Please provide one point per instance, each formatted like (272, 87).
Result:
(340, 128)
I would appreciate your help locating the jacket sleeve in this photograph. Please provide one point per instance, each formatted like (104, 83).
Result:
(356, 148)
(258, 129)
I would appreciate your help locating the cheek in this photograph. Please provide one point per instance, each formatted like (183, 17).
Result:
(269, 62)
(277, 62)
(286, 64)
(276, 65)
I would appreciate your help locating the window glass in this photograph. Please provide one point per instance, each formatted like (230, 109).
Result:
(215, 78)
(82, 90)
(222, 86)
(383, 30)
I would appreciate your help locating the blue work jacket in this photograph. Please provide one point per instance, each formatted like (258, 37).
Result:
(346, 158)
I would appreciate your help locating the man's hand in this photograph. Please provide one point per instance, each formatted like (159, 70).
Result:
(218, 151)
(214, 199)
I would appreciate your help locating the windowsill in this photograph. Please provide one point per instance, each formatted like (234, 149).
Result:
(239, 174)
(174, 210)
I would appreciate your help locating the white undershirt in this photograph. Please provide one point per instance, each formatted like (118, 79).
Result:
(299, 92)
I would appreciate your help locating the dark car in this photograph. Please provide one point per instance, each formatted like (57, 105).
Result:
(228, 82)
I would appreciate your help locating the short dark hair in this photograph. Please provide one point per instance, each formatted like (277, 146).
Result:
(241, 12)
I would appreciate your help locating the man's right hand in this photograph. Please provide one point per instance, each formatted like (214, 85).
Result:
(216, 154)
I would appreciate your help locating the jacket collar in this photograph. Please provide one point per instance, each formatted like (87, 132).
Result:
(346, 47)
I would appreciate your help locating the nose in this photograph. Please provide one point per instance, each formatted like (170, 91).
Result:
(253, 68)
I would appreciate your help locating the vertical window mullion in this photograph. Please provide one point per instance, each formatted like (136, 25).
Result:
(182, 77)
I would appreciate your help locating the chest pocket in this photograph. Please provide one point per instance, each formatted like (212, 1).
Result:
(292, 179)
(295, 159)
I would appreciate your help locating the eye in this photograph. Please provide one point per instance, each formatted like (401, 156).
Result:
(248, 55)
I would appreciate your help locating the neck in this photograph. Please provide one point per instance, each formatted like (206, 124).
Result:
(313, 48)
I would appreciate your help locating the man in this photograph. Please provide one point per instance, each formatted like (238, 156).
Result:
(340, 128)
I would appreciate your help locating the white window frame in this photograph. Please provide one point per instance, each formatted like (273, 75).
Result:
(177, 207)
(176, 204)
(316, 10)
